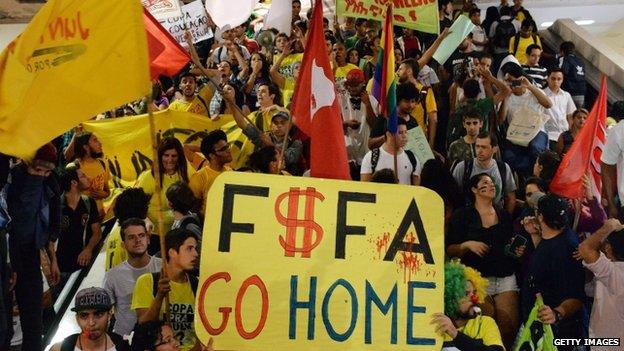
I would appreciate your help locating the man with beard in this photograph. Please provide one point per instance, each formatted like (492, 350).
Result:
(93, 312)
(151, 289)
(191, 101)
(119, 282)
(216, 150)
(462, 325)
(80, 225)
(87, 150)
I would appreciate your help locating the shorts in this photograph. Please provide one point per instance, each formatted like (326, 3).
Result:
(500, 285)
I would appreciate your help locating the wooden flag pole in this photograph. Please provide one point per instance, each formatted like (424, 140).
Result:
(158, 193)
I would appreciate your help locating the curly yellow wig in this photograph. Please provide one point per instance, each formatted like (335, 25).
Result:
(455, 277)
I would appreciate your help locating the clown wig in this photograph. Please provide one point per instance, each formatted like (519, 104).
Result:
(455, 277)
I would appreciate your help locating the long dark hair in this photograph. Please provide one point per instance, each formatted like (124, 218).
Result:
(170, 143)
(264, 72)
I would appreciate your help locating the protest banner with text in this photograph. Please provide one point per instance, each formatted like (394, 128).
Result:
(294, 263)
(421, 15)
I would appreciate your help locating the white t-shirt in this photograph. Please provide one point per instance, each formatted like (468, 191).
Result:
(563, 105)
(514, 102)
(613, 154)
(607, 315)
(386, 160)
(478, 34)
(356, 140)
(119, 281)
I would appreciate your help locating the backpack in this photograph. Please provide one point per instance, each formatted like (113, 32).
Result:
(193, 280)
(468, 165)
(517, 42)
(375, 159)
(504, 31)
(69, 343)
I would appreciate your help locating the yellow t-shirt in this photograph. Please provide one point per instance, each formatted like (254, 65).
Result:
(182, 307)
(262, 119)
(115, 252)
(523, 44)
(483, 328)
(97, 172)
(286, 68)
(201, 182)
(196, 106)
(418, 111)
(288, 91)
(147, 182)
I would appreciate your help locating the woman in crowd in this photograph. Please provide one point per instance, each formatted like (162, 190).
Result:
(479, 234)
(258, 76)
(173, 168)
(579, 117)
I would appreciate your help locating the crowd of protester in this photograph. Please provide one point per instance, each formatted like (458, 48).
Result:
(515, 239)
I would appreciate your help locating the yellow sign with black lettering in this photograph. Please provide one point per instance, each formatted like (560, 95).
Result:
(293, 263)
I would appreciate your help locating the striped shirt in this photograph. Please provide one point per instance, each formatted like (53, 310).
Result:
(538, 75)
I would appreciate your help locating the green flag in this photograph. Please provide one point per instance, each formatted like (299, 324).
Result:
(421, 15)
(536, 336)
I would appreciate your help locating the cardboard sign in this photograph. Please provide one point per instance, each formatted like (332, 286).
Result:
(163, 9)
(194, 18)
(291, 263)
(418, 144)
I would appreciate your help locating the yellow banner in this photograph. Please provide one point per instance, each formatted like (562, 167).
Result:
(421, 15)
(294, 263)
(127, 145)
(75, 59)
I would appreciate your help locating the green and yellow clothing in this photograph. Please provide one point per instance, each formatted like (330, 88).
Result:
(199, 105)
(182, 307)
(147, 182)
(97, 172)
(482, 329)
(201, 182)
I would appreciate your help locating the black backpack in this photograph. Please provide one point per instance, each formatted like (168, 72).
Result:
(69, 343)
(504, 31)
(468, 164)
(375, 159)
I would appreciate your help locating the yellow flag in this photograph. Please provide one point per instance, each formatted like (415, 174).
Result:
(75, 59)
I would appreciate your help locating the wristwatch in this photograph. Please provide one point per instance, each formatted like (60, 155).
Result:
(558, 316)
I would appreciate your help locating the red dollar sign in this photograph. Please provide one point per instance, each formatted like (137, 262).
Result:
(292, 222)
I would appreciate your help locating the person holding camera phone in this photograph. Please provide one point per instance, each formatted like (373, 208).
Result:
(481, 235)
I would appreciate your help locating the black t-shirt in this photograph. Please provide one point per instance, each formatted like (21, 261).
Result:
(379, 128)
(75, 233)
(456, 62)
(465, 225)
(554, 273)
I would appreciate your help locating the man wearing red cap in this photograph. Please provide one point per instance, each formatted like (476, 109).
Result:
(34, 206)
(359, 109)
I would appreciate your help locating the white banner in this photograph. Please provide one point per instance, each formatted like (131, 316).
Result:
(163, 9)
(195, 19)
(227, 14)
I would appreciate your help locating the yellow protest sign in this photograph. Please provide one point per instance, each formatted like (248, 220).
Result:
(421, 15)
(66, 67)
(294, 263)
(127, 145)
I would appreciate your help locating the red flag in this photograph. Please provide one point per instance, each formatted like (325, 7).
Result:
(584, 154)
(315, 106)
(166, 56)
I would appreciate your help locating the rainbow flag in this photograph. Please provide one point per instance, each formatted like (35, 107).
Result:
(384, 82)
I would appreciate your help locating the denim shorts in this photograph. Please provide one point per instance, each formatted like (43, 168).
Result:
(500, 285)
